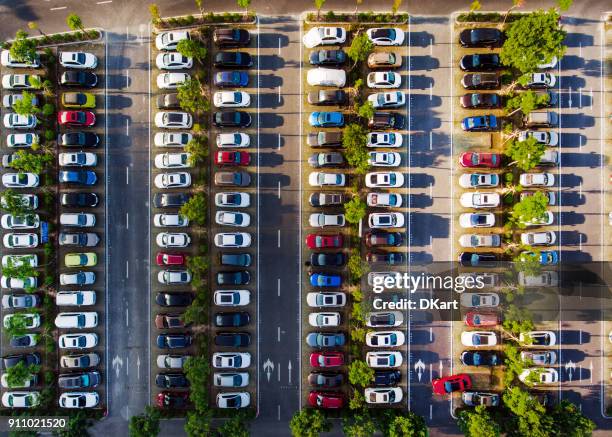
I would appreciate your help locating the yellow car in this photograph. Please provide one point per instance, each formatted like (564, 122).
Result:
(87, 259)
(78, 100)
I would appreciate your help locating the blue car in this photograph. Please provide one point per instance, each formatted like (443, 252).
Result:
(320, 280)
(78, 177)
(326, 119)
(228, 79)
(325, 339)
(546, 257)
(480, 123)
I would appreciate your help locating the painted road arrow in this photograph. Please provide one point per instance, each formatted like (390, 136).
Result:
(268, 368)
(570, 366)
(419, 368)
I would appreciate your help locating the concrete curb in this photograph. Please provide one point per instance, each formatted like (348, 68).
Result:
(224, 23)
(100, 37)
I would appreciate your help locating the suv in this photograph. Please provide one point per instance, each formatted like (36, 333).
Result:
(167, 200)
(231, 37)
(325, 139)
(233, 339)
(235, 259)
(542, 119)
(79, 380)
(386, 120)
(232, 179)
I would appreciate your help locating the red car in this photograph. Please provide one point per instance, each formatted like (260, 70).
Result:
(232, 158)
(480, 159)
(171, 399)
(76, 118)
(449, 384)
(326, 359)
(326, 400)
(169, 259)
(315, 241)
(477, 319)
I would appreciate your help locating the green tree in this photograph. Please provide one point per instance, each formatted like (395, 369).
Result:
(564, 5)
(530, 265)
(244, 4)
(22, 271)
(76, 425)
(354, 141)
(197, 312)
(25, 105)
(360, 48)
(145, 424)
(515, 4)
(514, 363)
(154, 11)
(407, 424)
(478, 423)
(19, 374)
(319, 4)
(31, 162)
(195, 209)
(197, 371)
(191, 97)
(34, 26)
(531, 417)
(359, 425)
(360, 374)
(526, 154)
(533, 39)
(365, 111)
(22, 48)
(530, 208)
(197, 149)
(357, 267)
(192, 48)
(568, 418)
(74, 22)
(48, 110)
(475, 6)
(526, 101)
(517, 320)
(198, 423)
(309, 423)
(13, 203)
(358, 335)
(396, 5)
(16, 326)
(355, 210)
(234, 427)
(357, 400)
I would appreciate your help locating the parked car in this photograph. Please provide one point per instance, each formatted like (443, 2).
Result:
(478, 338)
(325, 379)
(480, 358)
(78, 139)
(381, 359)
(480, 123)
(75, 298)
(389, 258)
(326, 77)
(539, 80)
(231, 218)
(480, 240)
(231, 360)
(325, 280)
(327, 259)
(384, 139)
(539, 358)
(379, 319)
(549, 138)
(230, 79)
(480, 200)
(479, 180)
(173, 61)
(384, 180)
(232, 140)
(241, 277)
(79, 278)
(232, 158)
(78, 159)
(451, 383)
(481, 81)
(20, 399)
(384, 200)
(477, 220)
(386, 120)
(384, 60)
(169, 40)
(173, 341)
(232, 320)
(22, 140)
(480, 62)
(231, 99)
(481, 37)
(169, 259)
(173, 160)
(324, 320)
(324, 36)
(232, 239)
(326, 359)
(316, 241)
(233, 60)
(325, 339)
(325, 139)
(29, 62)
(232, 298)
(385, 338)
(78, 60)
(480, 159)
(84, 79)
(177, 299)
(9, 221)
(319, 220)
(386, 36)
(477, 319)
(233, 400)
(173, 120)
(480, 101)
(20, 301)
(232, 119)
(27, 360)
(78, 177)
(168, 101)
(172, 400)
(473, 399)
(231, 37)
(232, 339)
(538, 338)
(78, 341)
(383, 239)
(537, 179)
(545, 238)
(20, 241)
(385, 396)
(89, 379)
(171, 361)
(181, 179)
(21, 81)
(326, 199)
(384, 79)
(330, 58)
(321, 179)
(539, 376)
(76, 118)
(326, 400)
(479, 300)
(232, 179)
(231, 379)
(386, 220)
(78, 100)
(18, 121)
(172, 277)
(171, 81)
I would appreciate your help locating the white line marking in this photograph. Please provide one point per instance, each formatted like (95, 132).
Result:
(430, 372)
(278, 339)
(127, 365)
(279, 188)
(431, 190)
(279, 142)
(59, 8)
(278, 368)
(430, 411)
(580, 97)
(430, 334)
(278, 287)
(127, 220)
(279, 47)
(591, 101)
(127, 319)
(104, 2)
(279, 94)
(278, 237)
(127, 175)
(127, 268)
(278, 412)
(430, 140)
(431, 92)
(127, 127)
(127, 78)
(258, 201)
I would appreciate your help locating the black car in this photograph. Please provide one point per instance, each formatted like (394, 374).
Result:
(480, 101)
(231, 79)
(82, 239)
(235, 259)
(327, 259)
(325, 139)
(326, 379)
(231, 37)
(327, 159)
(326, 199)
(173, 341)
(390, 258)
(171, 380)
(386, 120)
(481, 37)
(472, 259)
(480, 62)
(79, 199)
(233, 60)
(387, 378)
(232, 320)
(23, 341)
(167, 200)
(181, 299)
(327, 57)
(481, 358)
(168, 101)
(481, 81)
(79, 78)
(27, 359)
(233, 339)
(327, 97)
(78, 139)
(79, 380)
(241, 277)
(232, 119)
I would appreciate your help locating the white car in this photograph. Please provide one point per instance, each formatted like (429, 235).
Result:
(538, 338)
(78, 219)
(384, 180)
(78, 341)
(385, 338)
(20, 399)
(168, 361)
(539, 358)
(324, 36)
(8, 61)
(384, 200)
(480, 240)
(231, 99)
(547, 219)
(169, 40)
(384, 159)
(20, 241)
(167, 239)
(78, 60)
(28, 382)
(173, 61)
(231, 379)
(18, 121)
(21, 81)
(386, 396)
(233, 200)
(20, 180)
(480, 200)
(75, 298)
(173, 120)
(479, 300)
(79, 399)
(10, 282)
(478, 338)
(171, 81)
(320, 179)
(537, 179)
(540, 80)
(78, 320)
(171, 139)
(384, 139)
(546, 375)
(324, 320)
(232, 298)
(538, 238)
(32, 320)
(326, 77)
(324, 220)
(179, 179)
(386, 36)
(477, 220)
(233, 239)
(384, 359)
(78, 159)
(326, 299)
(549, 138)
(479, 180)
(9, 221)
(171, 277)
(29, 201)
(170, 220)
(173, 160)
(231, 360)
(393, 99)
(548, 65)
(233, 140)
(20, 260)
(550, 157)
(79, 278)
(544, 279)
(230, 218)
(9, 100)
(384, 79)
(22, 140)
(382, 220)
(233, 400)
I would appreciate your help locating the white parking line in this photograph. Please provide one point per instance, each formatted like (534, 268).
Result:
(59, 8)
(127, 78)
(104, 2)
(278, 339)
(127, 268)
(278, 238)
(278, 287)
(127, 319)
(279, 94)
(279, 188)
(279, 142)
(127, 220)
(278, 412)
(127, 127)
(430, 140)
(127, 175)
(580, 97)
(279, 47)
(279, 370)
(430, 411)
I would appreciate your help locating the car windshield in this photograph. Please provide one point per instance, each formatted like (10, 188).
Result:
(80, 58)
(476, 60)
(451, 386)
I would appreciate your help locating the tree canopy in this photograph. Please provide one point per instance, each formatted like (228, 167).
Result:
(360, 374)
(354, 141)
(526, 154)
(309, 423)
(360, 48)
(478, 423)
(22, 48)
(530, 208)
